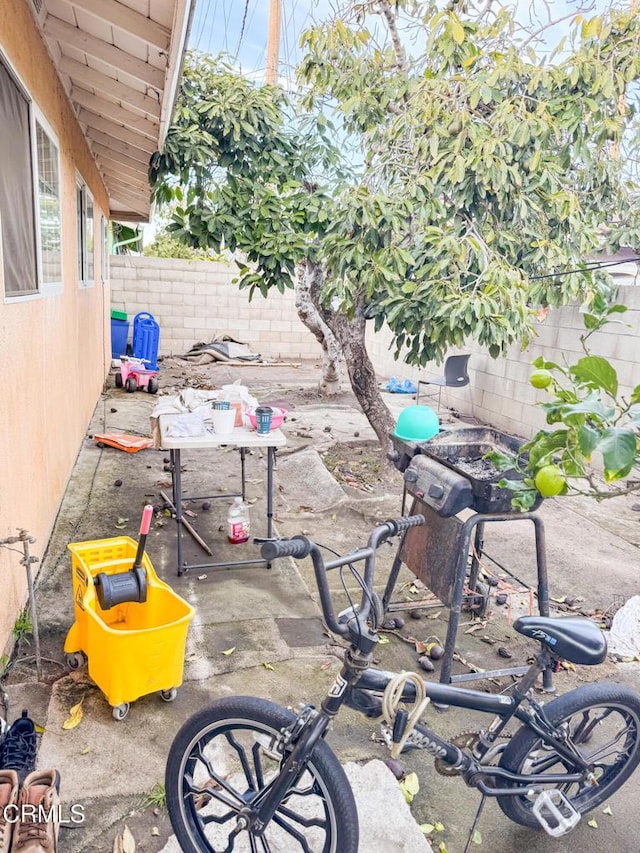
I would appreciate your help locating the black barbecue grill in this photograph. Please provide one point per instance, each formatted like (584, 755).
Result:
(453, 471)
(447, 474)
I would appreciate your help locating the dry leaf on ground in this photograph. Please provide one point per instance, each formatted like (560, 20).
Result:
(75, 715)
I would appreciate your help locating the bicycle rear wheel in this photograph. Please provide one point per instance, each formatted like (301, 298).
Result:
(603, 722)
(220, 761)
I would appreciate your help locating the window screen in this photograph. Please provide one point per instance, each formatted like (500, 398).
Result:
(49, 208)
(90, 269)
(17, 215)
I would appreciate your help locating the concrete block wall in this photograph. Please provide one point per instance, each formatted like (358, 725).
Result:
(193, 301)
(499, 392)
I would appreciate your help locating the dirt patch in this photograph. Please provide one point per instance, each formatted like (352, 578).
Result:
(361, 465)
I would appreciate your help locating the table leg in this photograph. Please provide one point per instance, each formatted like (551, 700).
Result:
(243, 453)
(271, 454)
(176, 486)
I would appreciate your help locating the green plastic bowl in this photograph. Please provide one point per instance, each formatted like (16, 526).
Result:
(417, 423)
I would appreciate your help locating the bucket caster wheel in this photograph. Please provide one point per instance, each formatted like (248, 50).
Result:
(120, 711)
(74, 660)
(169, 695)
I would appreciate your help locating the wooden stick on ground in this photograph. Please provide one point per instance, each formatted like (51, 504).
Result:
(188, 527)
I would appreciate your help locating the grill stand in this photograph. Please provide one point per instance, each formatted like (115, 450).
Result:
(447, 578)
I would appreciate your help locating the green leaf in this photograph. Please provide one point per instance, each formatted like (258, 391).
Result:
(457, 30)
(635, 395)
(410, 786)
(545, 446)
(618, 447)
(595, 370)
(588, 440)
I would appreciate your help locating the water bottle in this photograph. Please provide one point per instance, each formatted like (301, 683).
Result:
(238, 523)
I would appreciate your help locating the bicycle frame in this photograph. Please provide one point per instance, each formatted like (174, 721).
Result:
(357, 679)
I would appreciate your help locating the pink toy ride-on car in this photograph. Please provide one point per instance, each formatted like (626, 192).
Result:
(134, 375)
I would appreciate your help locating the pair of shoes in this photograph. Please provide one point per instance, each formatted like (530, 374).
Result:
(18, 749)
(29, 798)
(29, 815)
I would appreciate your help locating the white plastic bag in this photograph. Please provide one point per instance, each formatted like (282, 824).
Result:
(624, 638)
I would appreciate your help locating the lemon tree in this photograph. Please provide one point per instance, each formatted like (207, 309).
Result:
(593, 444)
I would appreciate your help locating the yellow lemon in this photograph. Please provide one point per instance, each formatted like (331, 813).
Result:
(540, 378)
(550, 481)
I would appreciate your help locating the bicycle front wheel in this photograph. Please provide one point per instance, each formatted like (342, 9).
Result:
(225, 756)
(603, 722)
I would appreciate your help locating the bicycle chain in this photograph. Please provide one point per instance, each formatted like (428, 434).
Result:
(465, 740)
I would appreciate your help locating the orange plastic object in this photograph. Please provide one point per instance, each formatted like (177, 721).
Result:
(128, 443)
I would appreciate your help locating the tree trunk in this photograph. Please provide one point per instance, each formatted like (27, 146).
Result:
(309, 278)
(351, 334)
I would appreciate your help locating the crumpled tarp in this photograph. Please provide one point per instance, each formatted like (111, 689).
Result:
(222, 348)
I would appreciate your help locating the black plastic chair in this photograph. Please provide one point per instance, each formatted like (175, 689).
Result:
(455, 376)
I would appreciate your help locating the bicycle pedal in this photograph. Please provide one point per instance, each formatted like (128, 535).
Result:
(555, 814)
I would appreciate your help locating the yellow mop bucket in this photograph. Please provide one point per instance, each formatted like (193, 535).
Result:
(133, 647)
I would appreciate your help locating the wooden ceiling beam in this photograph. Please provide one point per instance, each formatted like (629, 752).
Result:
(109, 110)
(104, 152)
(107, 164)
(123, 183)
(114, 176)
(86, 76)
(104, 140)
(124, 134)
(135, 202)
(59, 30)
(127, 20)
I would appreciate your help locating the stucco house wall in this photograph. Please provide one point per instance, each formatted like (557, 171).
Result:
(54, 347)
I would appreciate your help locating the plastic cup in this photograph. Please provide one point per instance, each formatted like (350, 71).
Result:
(223, 421)
(264, 414)
(220, 405)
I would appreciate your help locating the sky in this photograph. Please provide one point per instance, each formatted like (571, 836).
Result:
(239, 27)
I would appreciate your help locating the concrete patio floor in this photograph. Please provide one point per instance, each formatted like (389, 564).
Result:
(272, 621)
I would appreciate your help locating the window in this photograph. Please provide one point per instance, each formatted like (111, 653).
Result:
(30, 222)
(84, 211)
(17, 211)
(104, 250)
(49, 208)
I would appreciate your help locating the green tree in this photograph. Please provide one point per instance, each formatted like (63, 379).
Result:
(594, 441)
(456, 175)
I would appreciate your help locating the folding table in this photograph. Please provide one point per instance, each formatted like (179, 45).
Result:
(242, 438)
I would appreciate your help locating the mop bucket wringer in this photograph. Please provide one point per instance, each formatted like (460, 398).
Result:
(130, 625)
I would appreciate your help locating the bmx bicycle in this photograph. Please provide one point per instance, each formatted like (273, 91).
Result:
(244, 774)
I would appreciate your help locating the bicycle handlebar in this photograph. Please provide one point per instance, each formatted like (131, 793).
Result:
(300, 547)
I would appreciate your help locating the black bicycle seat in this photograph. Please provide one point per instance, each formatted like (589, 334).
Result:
(573, 638)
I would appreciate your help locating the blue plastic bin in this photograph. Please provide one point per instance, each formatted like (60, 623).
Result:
(119, 334)
(146, 338)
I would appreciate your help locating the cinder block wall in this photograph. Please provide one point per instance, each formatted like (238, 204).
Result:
(499, 392)
(194, 301)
